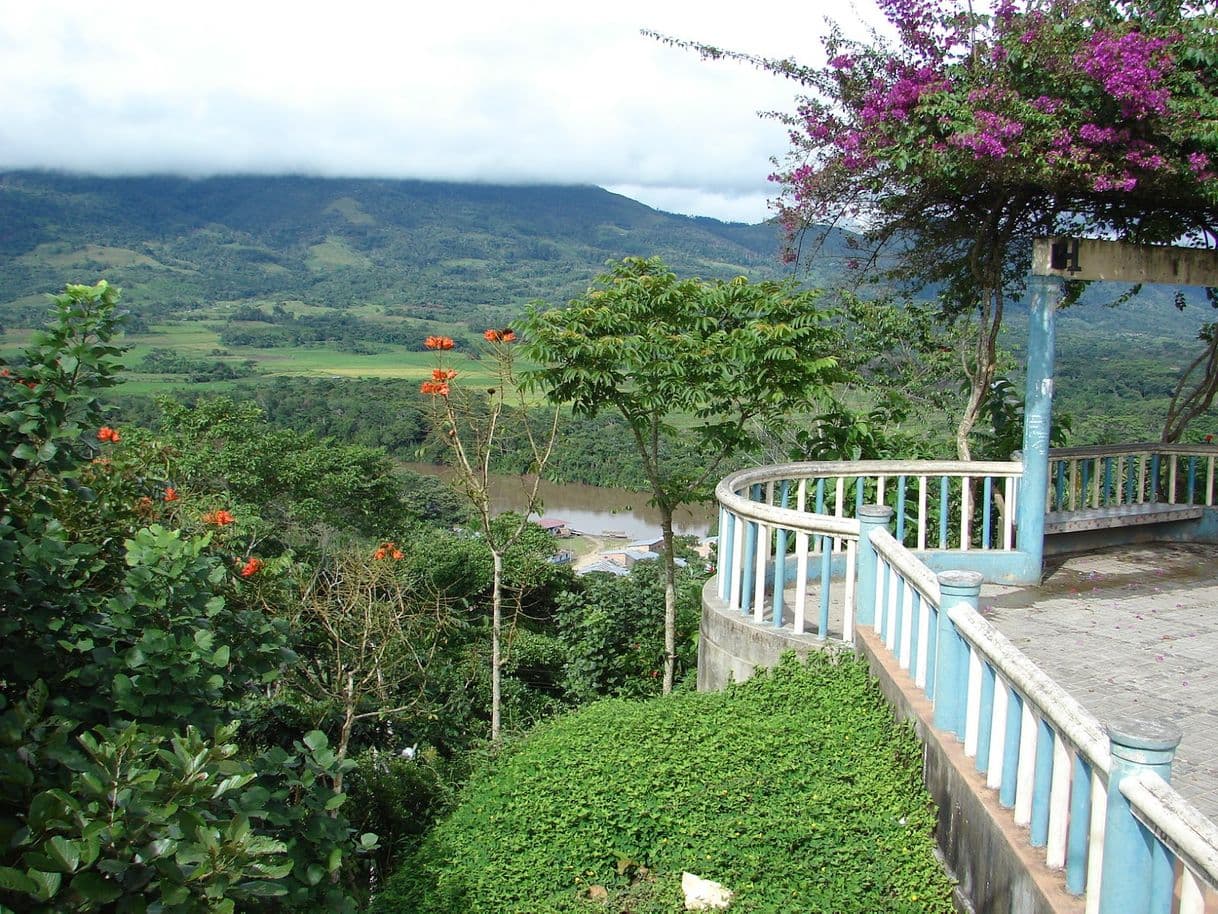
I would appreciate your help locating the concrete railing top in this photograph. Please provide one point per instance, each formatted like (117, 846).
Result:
(1189, 835)
(1078, 725)
(831, 469)
(1152, 447)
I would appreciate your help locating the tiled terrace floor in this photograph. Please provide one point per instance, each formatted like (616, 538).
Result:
(1130, 631)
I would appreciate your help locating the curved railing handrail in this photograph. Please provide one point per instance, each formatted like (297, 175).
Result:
(1188, 834)
(1113, 450)
(833, 468)
(904, 561)
(810, 522)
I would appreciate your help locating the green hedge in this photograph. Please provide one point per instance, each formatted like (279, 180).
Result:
(795, 789)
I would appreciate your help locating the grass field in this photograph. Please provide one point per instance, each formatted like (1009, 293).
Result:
(199, 339)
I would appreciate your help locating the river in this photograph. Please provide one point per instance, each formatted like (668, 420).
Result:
(595, 510)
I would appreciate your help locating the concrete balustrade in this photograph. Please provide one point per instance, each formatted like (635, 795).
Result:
(1131, 474)
(795, 524)
(1064, 779)
(1095, 807)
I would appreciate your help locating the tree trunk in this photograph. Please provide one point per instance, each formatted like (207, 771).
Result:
(344, 735)
(1188, 406)
(496, 624)
(670, 601)
(981, 372)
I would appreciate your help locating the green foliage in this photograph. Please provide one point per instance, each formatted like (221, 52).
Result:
(146, 823)
(610, 627)
(795, 789)
(293, 481)
(122, 641)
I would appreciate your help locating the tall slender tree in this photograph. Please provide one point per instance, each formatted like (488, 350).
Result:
(714, 361)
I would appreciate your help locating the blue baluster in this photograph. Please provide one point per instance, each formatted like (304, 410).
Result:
(1042, 783)
(1155, 463)
(1080, 827)
(898, 615)
(750, 558)
(1059, 481)
(724, 558)
(858, 495)
(1130, 479)
(943, 511)
(826, 569)
(1010, 749)
(1192, 480)
(986, 718)
(780, 559)
(900, 534)
(986, 537)
(932, 649)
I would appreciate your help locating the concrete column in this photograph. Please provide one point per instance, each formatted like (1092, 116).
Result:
(1045, 293)
(871, 517)
(1137, 872)
(951, 664)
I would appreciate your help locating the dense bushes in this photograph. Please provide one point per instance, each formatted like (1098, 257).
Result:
(795, 789)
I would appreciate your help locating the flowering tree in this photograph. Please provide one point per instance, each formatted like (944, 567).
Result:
(715, 362)
(471, 427)
(972, 132)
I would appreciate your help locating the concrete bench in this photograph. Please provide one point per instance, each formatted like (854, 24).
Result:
(1119, 516)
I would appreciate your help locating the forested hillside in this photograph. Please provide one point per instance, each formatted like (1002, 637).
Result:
(445, 251)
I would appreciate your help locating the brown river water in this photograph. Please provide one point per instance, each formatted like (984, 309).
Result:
(595, 510)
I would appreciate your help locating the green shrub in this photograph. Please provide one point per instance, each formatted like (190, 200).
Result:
(795, 789)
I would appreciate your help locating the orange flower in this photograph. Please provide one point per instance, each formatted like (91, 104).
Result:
(436, 388)
(219, 518)
(388, 550)
(252, 567)
(443, 374)
(106, 433)
(5, 373)
(439, 342)
(499, 336)
(171, 494)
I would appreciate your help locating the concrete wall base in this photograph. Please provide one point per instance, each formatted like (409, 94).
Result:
(730, 646)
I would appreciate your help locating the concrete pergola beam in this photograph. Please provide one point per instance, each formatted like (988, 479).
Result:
(1118, 261)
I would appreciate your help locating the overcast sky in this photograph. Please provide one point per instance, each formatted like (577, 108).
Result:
(525, 92)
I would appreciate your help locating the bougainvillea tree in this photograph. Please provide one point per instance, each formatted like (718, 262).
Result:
(968, 133)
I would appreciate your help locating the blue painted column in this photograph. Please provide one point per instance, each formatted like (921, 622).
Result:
(1045, 292)
(951, 662)
(1137, 870)
(870, 517)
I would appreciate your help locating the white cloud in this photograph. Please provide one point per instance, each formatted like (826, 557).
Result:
(547, 91)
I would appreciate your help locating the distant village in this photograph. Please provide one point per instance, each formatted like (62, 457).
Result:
(611, 557)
